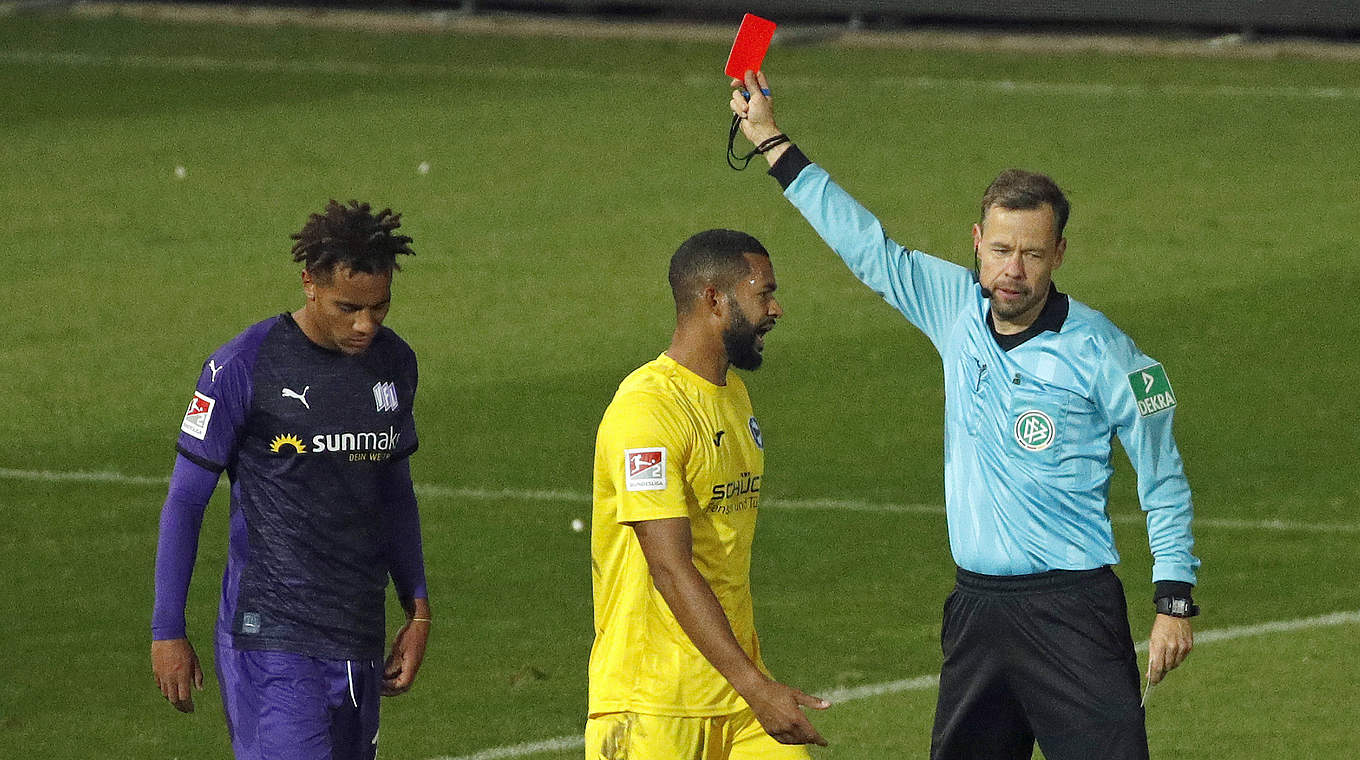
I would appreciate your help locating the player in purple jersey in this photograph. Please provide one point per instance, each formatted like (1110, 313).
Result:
(309, 414)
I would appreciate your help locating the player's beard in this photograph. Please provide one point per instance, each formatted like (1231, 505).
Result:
(740, 340)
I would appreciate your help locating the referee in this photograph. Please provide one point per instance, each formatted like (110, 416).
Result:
(1035, 637)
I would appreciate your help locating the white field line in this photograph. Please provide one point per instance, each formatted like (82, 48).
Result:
(100, 476)
(844, 694)
(536, 74)
(921, 683)
(522, 750)
(580, 497)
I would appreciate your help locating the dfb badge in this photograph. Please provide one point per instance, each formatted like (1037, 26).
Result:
(1034, 430)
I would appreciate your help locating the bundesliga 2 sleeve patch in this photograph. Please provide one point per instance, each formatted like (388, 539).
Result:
(197, 417)
(1152, 390)
(645, 469)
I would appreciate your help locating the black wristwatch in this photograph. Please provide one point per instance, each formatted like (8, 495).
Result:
(1177, 606)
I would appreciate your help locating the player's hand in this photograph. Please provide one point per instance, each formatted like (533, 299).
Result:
(778, 708)
(175, 666)
(408, 652)
(757, 114)
(1168, 646)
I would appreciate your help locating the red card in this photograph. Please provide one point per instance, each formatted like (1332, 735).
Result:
(748, 49)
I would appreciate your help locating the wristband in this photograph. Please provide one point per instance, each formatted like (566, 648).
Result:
(421, 620)
(763, 147)
(766, 145)
(1177, 606)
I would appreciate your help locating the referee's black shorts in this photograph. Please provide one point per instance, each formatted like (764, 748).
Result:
(1046, 657)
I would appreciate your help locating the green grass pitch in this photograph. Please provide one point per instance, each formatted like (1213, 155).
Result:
(1214, 219)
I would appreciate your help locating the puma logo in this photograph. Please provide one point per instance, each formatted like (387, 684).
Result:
(290, 393)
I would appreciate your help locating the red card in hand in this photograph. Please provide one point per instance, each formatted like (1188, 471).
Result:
(748, 49)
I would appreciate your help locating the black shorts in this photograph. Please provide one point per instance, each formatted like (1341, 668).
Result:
(1046, 657)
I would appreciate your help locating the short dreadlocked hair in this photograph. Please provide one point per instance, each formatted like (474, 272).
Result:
(351, 237)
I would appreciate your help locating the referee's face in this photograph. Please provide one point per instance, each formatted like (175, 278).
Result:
(1017, 251)
(344, 311)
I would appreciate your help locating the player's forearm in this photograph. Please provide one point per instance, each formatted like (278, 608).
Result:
(191, 487)
(402, 542)
(703, 619)
(417, 608)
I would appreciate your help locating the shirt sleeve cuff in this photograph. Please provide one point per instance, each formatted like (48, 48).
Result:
(1176, 589)
(789, 166)
(170, 631)
(205, 463)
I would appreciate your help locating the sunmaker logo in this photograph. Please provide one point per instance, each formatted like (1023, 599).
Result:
(382, 441)
(290, 440)
(365, 443)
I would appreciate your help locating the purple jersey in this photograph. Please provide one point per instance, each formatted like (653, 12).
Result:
(307, 437)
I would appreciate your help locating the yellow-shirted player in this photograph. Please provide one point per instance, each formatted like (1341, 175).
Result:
(675, 671)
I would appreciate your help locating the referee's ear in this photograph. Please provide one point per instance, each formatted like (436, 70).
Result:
(1061, 250)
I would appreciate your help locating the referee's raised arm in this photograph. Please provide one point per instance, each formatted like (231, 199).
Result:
(929, 292)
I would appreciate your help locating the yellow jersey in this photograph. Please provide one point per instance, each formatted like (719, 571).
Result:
(671, 444)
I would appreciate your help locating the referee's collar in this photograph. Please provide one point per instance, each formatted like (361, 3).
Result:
(1052, 317)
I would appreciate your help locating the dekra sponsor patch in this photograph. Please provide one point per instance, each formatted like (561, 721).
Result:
(1152, 390)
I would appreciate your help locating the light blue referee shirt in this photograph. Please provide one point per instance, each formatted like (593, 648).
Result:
(1027, 431)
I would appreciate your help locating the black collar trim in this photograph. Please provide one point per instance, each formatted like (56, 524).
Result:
(1052, 317)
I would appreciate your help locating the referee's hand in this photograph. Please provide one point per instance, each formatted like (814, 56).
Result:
(756, 111)
(1168, 646)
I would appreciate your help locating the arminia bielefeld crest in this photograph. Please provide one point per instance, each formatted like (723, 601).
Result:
(1152, 390)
